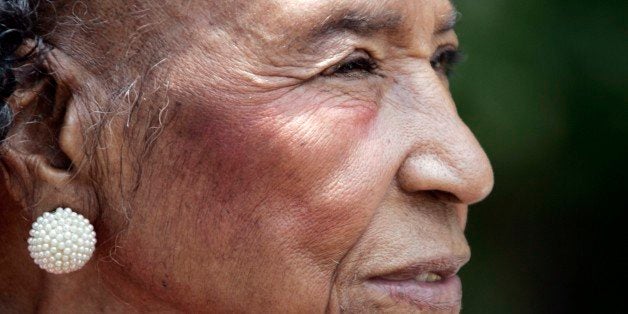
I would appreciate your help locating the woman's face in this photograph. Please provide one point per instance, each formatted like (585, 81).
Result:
(310, 157)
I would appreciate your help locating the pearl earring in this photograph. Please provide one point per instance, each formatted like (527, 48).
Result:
(61, 241)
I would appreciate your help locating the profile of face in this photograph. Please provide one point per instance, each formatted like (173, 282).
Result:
(276, 156)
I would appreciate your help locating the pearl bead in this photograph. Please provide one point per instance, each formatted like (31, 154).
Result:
(56, 237)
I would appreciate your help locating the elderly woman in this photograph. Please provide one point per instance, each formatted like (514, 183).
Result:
(233, 156)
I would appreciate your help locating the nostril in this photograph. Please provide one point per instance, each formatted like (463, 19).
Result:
(443, 196)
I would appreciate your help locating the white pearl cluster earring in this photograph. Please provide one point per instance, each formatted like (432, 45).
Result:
(61, 241)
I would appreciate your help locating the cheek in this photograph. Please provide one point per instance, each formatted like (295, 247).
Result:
(328, 195)
(303, 172)
(268, 197)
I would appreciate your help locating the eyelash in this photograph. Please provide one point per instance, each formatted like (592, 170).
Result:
(356, 66)
(443, 62)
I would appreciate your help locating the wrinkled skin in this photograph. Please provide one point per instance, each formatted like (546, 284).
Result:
(253, 177)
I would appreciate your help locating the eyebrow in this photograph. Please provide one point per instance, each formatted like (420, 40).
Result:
(366, 24)
(357, 23)
(449, 22)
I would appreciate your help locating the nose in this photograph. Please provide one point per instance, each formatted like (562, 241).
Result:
(445, 156)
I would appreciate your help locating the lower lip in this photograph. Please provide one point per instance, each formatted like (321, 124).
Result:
(439, 295)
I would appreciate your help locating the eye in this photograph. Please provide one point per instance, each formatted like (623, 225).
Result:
(357, 64)
(445, 59)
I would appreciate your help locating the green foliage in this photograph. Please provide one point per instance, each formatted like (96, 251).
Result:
(545, 90)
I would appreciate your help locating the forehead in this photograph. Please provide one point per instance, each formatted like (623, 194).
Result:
(401, 11)
(301, 15)
(323, 6)
(402, 19)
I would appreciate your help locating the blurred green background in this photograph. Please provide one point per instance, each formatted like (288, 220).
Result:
(544, 88)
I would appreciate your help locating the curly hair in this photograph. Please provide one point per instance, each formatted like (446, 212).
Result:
(17, 21)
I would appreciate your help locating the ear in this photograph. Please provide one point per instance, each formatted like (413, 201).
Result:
(42, 158)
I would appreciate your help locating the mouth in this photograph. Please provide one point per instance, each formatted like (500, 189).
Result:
(428, 286)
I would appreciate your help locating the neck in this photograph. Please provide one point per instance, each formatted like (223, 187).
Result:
(80, 292)
(20, 278)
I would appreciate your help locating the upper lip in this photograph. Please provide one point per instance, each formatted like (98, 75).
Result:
(445, 267)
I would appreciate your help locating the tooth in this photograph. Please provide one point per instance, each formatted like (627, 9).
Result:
(422, 277)
(427, 277)
(433, 277)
